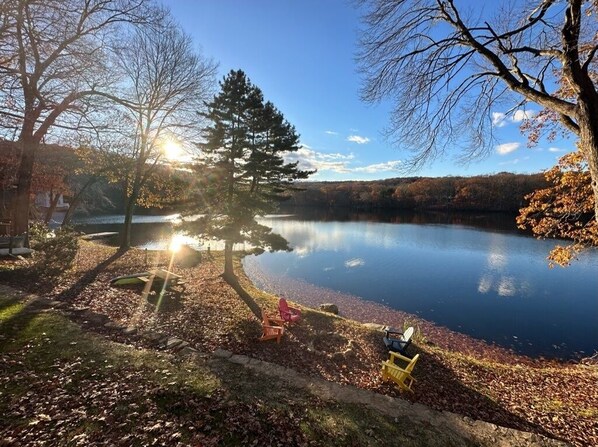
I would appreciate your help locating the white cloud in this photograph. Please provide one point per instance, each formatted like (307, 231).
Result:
(336, 162)
(358, 139)
(507, 148)
(521, 115)
(499, 119)
(309, 159)
(330, 132)
(555, 149)
(392, 165)
(355, 262)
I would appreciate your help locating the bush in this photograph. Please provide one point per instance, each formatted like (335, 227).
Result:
(55, 251)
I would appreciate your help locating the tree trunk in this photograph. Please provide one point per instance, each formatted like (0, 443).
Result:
(588, 141)
(125, 241)
(53, 202)
(24, 174)
(74, 203)
(228, 260)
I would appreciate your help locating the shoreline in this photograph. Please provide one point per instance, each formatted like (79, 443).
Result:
(364, 311)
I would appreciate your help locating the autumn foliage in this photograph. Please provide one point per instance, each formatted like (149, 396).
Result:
(565, 209)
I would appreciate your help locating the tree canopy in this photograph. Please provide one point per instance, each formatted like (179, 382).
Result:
(447, 67)
(565, 209)
(243, 160)
(55, 56)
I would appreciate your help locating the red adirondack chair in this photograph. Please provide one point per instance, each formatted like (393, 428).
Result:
(287, 313)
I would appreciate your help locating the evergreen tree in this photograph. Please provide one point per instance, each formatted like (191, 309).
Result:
(243, 161)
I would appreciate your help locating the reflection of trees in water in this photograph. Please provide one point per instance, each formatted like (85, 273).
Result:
(486, 220)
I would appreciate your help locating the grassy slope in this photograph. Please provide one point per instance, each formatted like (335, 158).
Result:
(69, 387)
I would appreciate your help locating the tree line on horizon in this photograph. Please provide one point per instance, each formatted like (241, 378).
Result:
(504, 192)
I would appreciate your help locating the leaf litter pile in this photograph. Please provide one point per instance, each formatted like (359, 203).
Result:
(455, 373)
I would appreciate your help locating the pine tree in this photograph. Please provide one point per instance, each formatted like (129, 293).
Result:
(243, 160)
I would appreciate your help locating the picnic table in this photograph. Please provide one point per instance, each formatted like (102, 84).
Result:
(162, 275)
(165, 279)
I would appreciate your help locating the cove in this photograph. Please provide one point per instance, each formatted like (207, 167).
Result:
(472, 273)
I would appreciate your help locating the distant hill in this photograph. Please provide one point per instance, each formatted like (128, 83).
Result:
(499, 192)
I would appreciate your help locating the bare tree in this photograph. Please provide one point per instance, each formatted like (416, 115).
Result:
(447, 68)
(166, 84)
(54, 56)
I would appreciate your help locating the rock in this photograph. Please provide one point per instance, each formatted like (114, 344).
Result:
(153, 337)
(173, 342)
(222, 353)
(181, 345)
(375, 326)
(187, 351)
(188, 257)
(130, 330)
(94, 317)
(337, 356)
(330, 308)
(57, 304)
(239, 359)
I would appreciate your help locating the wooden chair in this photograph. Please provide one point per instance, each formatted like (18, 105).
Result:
(400, 376)
(270, 332)
(287, 313)
(398, 341)
(272, 319)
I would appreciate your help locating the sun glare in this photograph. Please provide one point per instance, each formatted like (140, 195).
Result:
(176, 243)
(173, 150)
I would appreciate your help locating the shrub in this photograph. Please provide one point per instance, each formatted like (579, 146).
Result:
(55, 251)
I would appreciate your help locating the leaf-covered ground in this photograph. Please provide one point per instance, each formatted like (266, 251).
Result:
(455, 372)
(62, 386)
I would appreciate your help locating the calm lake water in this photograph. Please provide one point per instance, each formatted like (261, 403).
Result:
(473, 273)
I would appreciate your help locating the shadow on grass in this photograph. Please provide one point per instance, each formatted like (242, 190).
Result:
(233, 281)
(89, 277)
(246, 406)
(438, 387)
(15, 315)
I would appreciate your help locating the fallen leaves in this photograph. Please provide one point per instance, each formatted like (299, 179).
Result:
(479, 380)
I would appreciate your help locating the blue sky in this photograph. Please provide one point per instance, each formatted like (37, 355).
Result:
(302, 55)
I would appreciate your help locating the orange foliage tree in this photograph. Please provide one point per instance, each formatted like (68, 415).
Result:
(565, 209)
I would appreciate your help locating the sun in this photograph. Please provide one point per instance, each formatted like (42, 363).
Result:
(172, 150)
(176, 243)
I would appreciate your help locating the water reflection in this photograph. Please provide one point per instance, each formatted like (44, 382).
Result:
(492, 284)
(474, 273)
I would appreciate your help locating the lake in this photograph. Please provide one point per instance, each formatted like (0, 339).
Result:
(472, 273)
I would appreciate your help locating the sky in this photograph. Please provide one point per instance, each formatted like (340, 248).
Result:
(301, 54)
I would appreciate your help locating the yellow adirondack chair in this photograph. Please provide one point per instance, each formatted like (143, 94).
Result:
(400, 376)
(270, 332)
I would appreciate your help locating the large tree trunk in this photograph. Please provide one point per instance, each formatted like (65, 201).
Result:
(228, 260)
(588, 141)
(24, 174)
